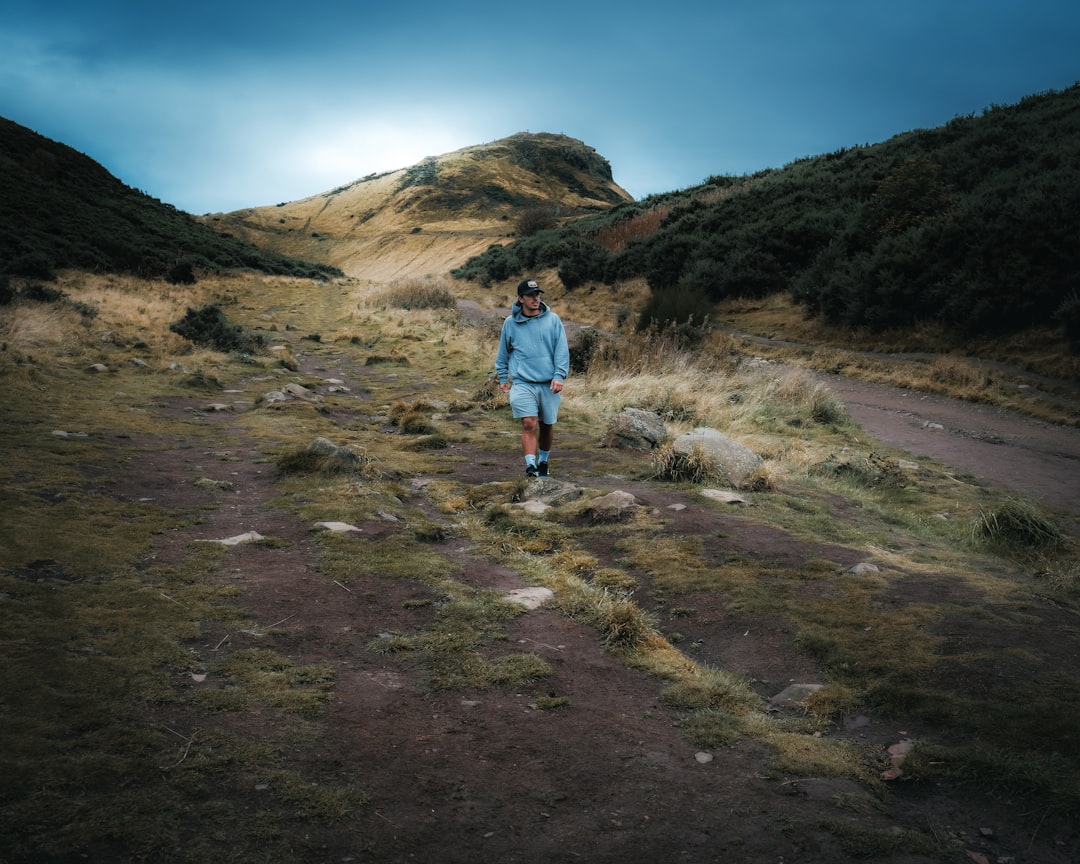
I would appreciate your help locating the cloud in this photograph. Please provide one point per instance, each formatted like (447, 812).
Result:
(213, 105)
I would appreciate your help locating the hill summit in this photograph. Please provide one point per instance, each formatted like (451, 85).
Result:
(433, 215)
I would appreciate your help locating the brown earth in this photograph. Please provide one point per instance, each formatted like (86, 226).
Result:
(487, 777)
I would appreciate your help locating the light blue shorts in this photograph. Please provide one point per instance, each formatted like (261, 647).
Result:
(535, 400)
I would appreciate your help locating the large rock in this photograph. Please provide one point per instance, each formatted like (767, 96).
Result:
(732, 460)
(617, 506)
(334, 458)
(551, 492)
(635, 429)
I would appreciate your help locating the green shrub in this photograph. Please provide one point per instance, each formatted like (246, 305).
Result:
(326, 462)
(1068, 313)
(534, 219)
(971, 226)
(181, 273)
(42, 293)
(208, 326)
(34, 265)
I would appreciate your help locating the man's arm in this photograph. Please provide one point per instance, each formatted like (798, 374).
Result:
(502, 358)
(561, 353)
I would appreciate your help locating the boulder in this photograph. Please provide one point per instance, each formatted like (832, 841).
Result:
(617, 506)
(635, 429)
(732, 460)
(551, 492)
(333, 457)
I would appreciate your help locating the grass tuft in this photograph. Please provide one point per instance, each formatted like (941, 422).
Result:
(417, 292)
(1017, 526)
(695, 466)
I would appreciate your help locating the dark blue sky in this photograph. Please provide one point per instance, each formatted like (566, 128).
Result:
(219, 106)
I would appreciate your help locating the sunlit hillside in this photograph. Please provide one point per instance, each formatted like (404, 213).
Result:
(430, 217)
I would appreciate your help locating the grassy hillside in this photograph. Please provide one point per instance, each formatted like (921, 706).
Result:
(433, 215)
(60, 209)
(971, 226)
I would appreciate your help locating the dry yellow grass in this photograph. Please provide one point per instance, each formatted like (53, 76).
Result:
(1010, 372)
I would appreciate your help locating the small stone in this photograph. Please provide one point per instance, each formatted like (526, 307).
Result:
(703, 757)
(336, 527)
(530, 598)
(723, 496)
(794, 694)
(901, 748)
(536, 508)
(249, 537)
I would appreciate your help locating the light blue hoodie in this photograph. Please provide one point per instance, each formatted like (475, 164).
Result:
(532, 349)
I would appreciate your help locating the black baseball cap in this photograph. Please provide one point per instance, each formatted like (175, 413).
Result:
(528, 286)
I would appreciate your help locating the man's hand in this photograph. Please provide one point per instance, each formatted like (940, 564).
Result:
(556, 386)
(505, 386)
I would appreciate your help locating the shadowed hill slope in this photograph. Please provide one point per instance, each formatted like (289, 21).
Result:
(970, 226)
(432, 216)
(61, 209)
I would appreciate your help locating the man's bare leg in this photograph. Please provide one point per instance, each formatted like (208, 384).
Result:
(529, 434)
(546, 436)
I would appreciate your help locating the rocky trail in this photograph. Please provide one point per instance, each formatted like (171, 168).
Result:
(487, 776)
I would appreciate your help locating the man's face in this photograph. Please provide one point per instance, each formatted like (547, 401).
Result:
(530, 303)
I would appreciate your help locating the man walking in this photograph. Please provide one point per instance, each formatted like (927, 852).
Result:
(532, 363)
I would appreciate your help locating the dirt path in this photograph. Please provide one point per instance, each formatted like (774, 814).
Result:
(484, 776)
(1032, 458)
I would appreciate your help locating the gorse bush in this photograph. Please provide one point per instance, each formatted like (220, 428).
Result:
(971, 226)
(1069, 316)
(210, 327)
(535, 219)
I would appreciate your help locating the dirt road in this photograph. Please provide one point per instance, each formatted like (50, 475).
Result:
(1038, 460)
